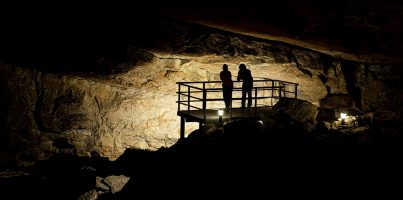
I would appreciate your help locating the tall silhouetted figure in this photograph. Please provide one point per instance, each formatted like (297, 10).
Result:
(247, 84)
(227, 85)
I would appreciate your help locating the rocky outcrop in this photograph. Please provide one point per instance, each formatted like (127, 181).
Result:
(112, 184)
(290, 114)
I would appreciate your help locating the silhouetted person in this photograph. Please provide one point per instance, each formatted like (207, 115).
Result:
(247, 84)
(227, 85)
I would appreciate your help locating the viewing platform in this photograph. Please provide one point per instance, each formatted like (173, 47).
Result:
(201, 101)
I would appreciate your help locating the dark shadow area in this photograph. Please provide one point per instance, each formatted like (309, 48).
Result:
(72, 38)
(240, 158)
(108, 39)
(96, 39)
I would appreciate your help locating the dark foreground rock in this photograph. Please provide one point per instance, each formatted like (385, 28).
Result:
(241, 158)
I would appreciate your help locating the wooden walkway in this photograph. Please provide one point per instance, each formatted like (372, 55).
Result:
(212, 115)
(200, 101)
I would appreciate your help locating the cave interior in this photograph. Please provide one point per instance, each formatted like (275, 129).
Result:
(88, 100)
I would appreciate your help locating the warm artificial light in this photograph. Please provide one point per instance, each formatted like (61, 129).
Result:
(220, 113)
(343, 115)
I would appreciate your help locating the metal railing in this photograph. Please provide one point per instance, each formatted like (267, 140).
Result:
(203, 95)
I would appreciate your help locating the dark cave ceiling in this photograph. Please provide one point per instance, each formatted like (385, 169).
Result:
(360, 28)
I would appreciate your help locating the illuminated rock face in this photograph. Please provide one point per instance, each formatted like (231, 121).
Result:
(90, 116)
(46, 113)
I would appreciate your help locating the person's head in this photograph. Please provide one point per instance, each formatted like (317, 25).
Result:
(225, 67)
(242, 66)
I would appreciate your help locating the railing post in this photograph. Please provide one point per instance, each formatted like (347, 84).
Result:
(204, 100)
(230, 109)
(296, 90)
(182, 131)
(255, 100)
(272, 93)
(179, 97)
(188, 98)
(279, 92)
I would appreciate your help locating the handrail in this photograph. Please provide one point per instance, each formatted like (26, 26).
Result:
(258, 80)
(221, 99)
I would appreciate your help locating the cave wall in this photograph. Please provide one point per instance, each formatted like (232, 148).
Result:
(43, 113)
(47, 113)
(381, 92)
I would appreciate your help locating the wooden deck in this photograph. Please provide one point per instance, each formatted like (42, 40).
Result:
(212, 115)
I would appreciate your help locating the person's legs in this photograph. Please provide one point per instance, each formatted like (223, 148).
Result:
(227, 93)
(249, 98)
(224, 94)
(243, 98)
(230, 98)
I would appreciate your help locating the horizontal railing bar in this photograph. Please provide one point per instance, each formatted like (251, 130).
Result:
(185, 104)
(194, 87)
(287, 82)
(236, 89)
(190, 101)
(268, 87)
(191, 96)
(185, 83)
(220, 89)
(198, 82)
(188, 92)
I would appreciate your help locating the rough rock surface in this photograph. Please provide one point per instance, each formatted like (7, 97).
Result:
(133, 105)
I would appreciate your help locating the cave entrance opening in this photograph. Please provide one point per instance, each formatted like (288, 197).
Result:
(199, 101)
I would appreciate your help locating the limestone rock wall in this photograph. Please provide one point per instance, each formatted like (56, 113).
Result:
(47, 113)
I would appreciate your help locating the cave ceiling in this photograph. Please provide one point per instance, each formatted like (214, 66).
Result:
(349, 29)
(368, 31)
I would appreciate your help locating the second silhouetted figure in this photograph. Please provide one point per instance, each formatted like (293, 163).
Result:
(227, 85)
(247, 85)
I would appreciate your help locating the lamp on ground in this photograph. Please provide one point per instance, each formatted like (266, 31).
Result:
(343, 118)
(220, 114)
(343, 115)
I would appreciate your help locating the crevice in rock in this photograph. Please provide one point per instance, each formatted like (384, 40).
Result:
(39, 102)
